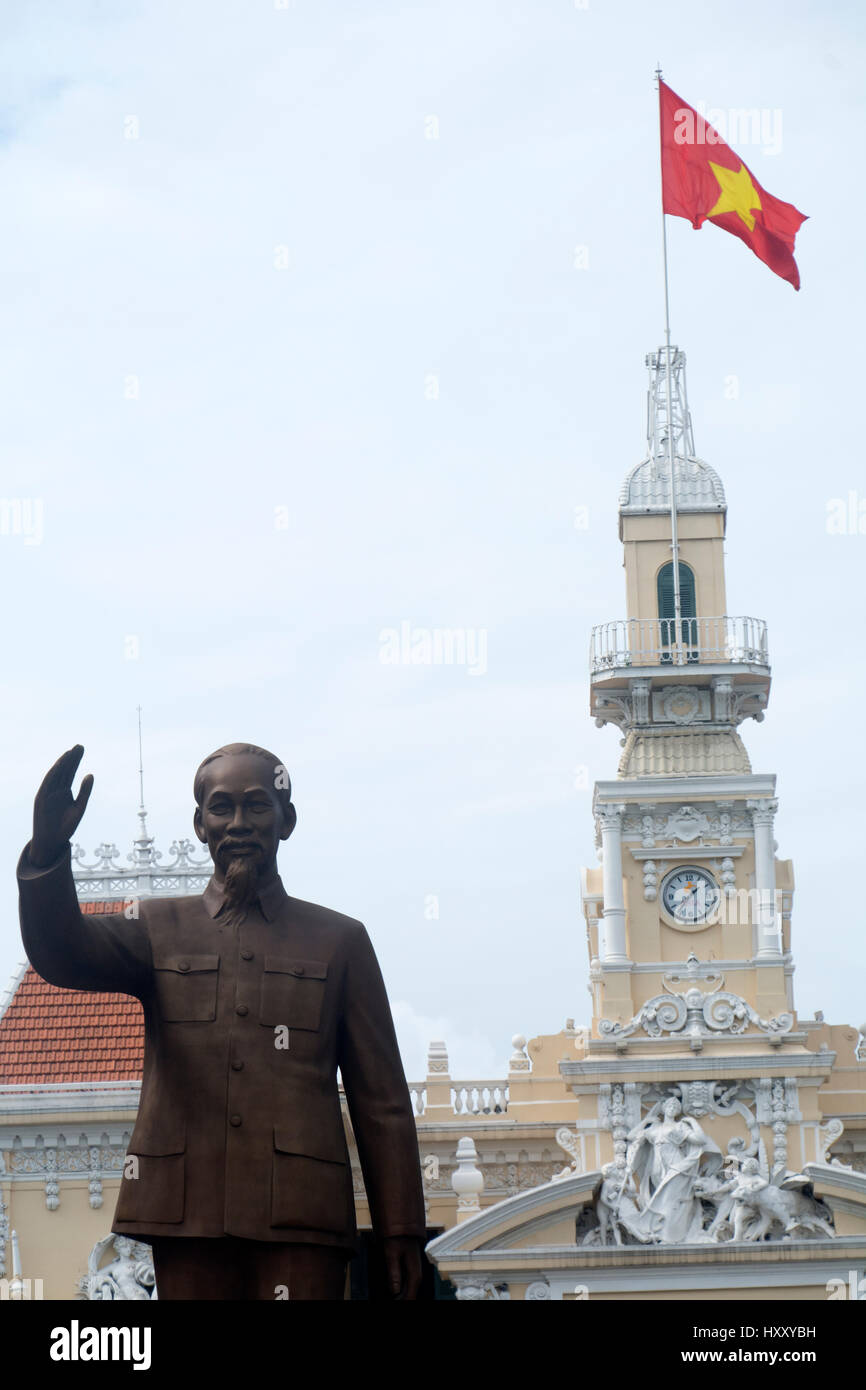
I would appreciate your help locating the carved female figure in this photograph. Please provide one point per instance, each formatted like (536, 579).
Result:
(667, 1154)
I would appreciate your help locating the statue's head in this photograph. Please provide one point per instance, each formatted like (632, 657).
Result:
(671, 1108)
(243, 810)
(750, 1166)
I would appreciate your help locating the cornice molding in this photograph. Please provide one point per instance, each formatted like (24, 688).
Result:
(656, 967)
(650, 789)
(73, 1098)
(703, 1066)
(686, 852)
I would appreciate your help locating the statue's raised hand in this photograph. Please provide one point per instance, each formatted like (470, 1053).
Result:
(56, 813)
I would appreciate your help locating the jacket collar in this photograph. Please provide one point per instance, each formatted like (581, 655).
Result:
(270, 899)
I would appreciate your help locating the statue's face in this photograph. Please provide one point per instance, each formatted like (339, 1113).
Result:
(671, 1109)
(240, 815)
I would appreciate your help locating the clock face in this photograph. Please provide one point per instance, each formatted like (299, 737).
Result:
(690, 895)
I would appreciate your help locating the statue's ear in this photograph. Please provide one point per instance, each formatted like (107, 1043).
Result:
(198, 825)
(290, 820)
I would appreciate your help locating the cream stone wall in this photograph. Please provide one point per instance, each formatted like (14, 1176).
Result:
(55, 1245)
(647, 547)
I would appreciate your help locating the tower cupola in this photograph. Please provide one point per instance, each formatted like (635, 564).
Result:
(678, 690)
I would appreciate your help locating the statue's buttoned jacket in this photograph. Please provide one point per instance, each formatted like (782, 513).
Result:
(247, 1019)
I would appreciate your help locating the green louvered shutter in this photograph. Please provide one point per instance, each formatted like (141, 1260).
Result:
(687, 604)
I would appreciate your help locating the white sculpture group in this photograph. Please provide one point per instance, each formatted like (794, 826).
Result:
(129, 1275)
(674, 1185)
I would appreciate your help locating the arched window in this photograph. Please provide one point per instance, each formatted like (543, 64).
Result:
(688, 609)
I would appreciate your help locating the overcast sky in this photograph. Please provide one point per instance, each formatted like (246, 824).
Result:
(299, 346)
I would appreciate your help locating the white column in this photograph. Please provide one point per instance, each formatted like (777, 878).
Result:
(767, 921)
(612, 944)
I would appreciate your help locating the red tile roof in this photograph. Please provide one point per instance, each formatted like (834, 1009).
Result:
(52, 1035)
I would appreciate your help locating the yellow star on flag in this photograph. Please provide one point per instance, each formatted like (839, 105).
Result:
(738, 193)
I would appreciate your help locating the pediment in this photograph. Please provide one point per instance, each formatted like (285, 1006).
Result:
(528, 1215)
(550, 1217)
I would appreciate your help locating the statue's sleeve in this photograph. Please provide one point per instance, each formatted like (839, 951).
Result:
(378, 1097)
(103, 951)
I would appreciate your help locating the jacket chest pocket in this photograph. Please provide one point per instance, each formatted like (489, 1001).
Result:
(186, 987)
(292, 993)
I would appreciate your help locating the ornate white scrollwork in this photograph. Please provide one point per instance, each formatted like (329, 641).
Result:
(686, 824)
(681, 704)
(613, 709)
(95, 1184)
(537, 1291)
(763, 810)
(568, 1140)
(696, 1015)
(52, 1185)
(728, 876)
(105, 857)
(640, 693)
(830, 1133)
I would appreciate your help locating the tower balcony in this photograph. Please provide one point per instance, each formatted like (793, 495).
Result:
(634, 660)
(629, 642)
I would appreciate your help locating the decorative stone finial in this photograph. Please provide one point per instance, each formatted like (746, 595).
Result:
(519, 1060)
(467, 1180)
(16, 1283)
(437, 1059)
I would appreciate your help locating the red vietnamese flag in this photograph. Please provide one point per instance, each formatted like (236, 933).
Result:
(702, 179)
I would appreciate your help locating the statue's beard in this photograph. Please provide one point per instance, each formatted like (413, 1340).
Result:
(240, 882)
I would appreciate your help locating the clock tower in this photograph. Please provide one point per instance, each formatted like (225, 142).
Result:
(716, 1140)
(689, 881)
(708, 1127)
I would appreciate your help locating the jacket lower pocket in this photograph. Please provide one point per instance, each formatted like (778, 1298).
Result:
(313, 1194)
(153, 1190)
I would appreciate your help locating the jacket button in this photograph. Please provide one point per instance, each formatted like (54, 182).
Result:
(237, 1066)
(242, 1010)
(183, 965)
(297, 970)
(235, 1120)
(246, 955)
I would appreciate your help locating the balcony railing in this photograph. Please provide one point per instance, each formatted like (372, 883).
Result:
(656, 642)
(467, 1097)
(475, 1098)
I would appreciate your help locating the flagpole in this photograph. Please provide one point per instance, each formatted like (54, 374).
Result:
(675, 548)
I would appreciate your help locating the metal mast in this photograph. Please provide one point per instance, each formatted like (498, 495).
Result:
(143, 845)
(669, 421)
(675, 548)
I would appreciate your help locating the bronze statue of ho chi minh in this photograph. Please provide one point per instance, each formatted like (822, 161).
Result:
(238, 1172)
